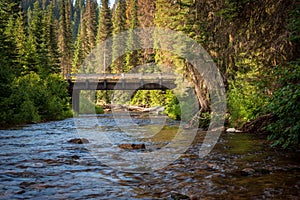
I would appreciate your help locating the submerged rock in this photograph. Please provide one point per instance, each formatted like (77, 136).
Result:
(25, 184)
(79, 141)
(178, 196)
(75, 157)
(132, 146)
(247, 172)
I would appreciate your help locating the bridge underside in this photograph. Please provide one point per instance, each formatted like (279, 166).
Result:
(122, 85)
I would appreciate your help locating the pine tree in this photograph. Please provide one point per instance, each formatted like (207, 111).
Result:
(7, 46)
(90, 23)
(36, 54)
(7, 54)
(145, 18)
(65, 39)
(78, 54)
(79, 7)
(51, 39)
(105, 33)
(20, 40)
(119, 24)
(86, 34)
(181, 16)
(132, 58)
(105, 23)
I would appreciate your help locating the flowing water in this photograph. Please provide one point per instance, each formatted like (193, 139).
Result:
(38, 162)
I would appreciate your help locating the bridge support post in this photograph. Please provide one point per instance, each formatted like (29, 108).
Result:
(75, 101)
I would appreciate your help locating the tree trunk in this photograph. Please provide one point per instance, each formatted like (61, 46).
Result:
(200, 88)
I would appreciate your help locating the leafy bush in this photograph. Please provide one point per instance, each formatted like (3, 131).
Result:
(87, 106)
(148, 98)
(172, 107)
(244, 103)
(99, 109)
(28, 112)
(57, 104)
(34, 99)
(285, 106)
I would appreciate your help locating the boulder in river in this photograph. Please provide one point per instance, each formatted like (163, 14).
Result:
(178, 196)
(79, 141)
(247, 172)
(132, 146)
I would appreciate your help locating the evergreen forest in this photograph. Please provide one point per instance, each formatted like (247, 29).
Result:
(254, 43)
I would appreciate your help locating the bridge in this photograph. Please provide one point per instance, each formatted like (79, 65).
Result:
(153, 81)
(140, 81)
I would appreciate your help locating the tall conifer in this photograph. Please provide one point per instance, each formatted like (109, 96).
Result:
(145, 18)
(132, 58)
(119, 24)
(105, 22)
(90, 22)
(105, 32)
(65, 39)
(51, 39)
(78, 10)
(181, 16)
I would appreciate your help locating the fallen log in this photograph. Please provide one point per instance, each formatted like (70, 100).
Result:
(257, 125)
(157, 109)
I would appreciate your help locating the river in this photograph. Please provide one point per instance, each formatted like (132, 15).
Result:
(39, 162)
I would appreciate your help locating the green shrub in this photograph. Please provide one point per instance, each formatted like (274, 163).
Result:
(172, 107)
(148, 98)
(28, 112)
(99, 110)
(246, 96)
(89, 107)
(285, 106)
(244, 103)
(34, 99)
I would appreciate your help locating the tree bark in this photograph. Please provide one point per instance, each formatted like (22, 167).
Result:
(200, 88)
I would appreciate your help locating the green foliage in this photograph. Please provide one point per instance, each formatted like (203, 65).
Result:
(245, 96)
(154, 98)
(120, 97)
(119, 22)
(132, 58)
(244, 102)
(7, 54)
(105, 23)
(149, 98)
(233, 8)
(99, 109)
(34, 99)
(284, 105)
(172, 107)
(57, 103)
(28, 112)
(294, 24)
(65, 45)
(104, 97)
(89, 107)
